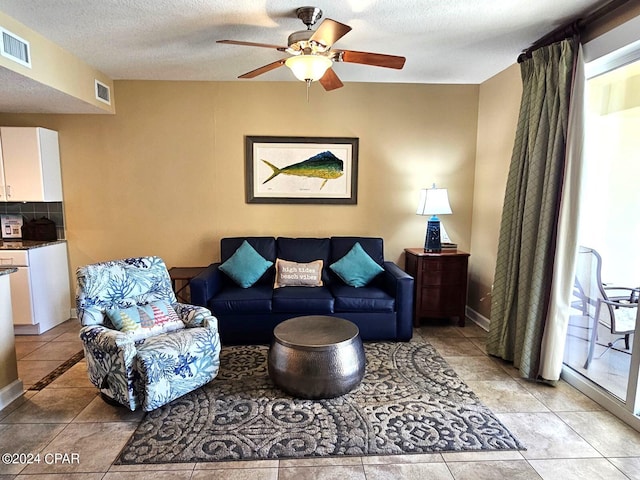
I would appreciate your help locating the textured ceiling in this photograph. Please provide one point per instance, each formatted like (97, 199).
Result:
(444, 41)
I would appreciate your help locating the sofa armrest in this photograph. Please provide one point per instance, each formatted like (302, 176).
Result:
(399, 284)
(205, 285)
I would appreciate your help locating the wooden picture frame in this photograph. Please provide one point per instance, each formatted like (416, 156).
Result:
(321, 170)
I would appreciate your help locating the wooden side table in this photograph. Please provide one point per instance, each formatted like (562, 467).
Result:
(440, 282)
(183, 275)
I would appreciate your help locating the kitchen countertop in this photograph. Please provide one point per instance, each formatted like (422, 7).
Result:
(26, 244)
(7, 271)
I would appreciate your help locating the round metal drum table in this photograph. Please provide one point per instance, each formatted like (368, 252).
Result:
(316, 357)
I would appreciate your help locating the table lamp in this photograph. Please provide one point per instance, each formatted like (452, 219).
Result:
(433, 201)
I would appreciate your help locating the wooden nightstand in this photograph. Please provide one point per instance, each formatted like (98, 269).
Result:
(440, 282)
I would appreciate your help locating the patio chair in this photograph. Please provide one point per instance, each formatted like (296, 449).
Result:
(143, 349)
(612, 306)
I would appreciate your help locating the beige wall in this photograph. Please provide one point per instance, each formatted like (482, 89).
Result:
(499, 104)
(165, 175)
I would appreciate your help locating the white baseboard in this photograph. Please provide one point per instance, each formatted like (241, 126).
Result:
(9, 393)
(38, 328)
(477, 318)
(27, 329)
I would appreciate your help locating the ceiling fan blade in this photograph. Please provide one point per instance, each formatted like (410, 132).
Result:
(329, 32)
(263, 69)
(375, 59)
(330, 80)
(252, 44)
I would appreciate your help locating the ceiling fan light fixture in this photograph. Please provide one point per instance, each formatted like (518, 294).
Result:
(311, 54)
(308, 68)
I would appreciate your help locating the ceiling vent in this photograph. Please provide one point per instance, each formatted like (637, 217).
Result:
(103, 92)
(15, 48)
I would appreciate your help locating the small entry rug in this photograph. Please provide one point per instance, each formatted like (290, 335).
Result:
(410, 401)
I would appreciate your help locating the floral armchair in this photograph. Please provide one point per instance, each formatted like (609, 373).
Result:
(143, 348)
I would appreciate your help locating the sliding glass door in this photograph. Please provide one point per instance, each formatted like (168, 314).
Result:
(604, 303)
(602, 326)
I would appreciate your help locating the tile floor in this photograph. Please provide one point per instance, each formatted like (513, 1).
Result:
(40, 354)
(568, 436)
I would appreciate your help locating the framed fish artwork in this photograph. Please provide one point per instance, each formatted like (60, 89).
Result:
(301, 170)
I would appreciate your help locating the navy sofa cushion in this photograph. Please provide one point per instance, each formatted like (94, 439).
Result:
(340, 246)
(362, 299)
(235, 299)
(305, 250)
(246, 266)
(303, 300)
(265, 246)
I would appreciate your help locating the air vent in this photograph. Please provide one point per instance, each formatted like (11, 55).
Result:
(103, 92)
(15, 48)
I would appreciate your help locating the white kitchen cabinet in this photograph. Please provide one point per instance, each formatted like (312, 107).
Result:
(40, 295)
(29, 165)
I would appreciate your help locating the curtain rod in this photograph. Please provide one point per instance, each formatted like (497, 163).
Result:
(571, 29)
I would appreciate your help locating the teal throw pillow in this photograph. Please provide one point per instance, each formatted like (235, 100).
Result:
(245, 266)
(356, 268)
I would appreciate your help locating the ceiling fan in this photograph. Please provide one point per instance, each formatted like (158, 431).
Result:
(311, 54)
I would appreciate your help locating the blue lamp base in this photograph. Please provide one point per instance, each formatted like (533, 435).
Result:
(432, 239)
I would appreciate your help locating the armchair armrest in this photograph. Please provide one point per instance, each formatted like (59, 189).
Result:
(399, 284)
(616, 303)
(205, 285)
(623, 319)
(107, 339)
(90, 316)
(631, 296)
(110, 355)
(196, 316)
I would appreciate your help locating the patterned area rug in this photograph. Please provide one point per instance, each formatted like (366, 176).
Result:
(410, 401)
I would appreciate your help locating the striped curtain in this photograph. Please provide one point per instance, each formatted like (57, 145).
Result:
(524, 267)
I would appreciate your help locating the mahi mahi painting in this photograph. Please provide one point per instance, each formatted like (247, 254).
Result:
(324, 165)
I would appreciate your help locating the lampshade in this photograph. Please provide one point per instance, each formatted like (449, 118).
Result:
(433, 201)
(308, 67)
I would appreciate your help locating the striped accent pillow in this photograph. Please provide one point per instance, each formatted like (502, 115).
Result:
(143, 321)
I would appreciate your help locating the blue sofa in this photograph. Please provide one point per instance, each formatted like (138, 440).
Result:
(382, 309)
